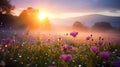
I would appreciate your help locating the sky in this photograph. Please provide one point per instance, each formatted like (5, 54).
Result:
(70, 8)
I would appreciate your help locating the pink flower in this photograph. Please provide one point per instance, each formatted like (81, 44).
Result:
(64, 47)
(74, 34)
(66, 57)
(71, 48)
(94, 49)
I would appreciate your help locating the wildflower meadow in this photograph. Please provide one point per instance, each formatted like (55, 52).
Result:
(27, 51)
(59, 33)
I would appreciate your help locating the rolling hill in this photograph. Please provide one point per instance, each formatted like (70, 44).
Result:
(89, 20)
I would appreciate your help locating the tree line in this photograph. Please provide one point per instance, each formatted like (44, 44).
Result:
(26, 19)
(98, 26)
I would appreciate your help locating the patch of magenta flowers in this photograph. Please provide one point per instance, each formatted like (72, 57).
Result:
(66, 47)
(95, 53)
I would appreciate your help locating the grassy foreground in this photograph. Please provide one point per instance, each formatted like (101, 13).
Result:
(24, 53)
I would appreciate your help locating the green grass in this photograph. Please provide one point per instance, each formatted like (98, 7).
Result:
(44, 54)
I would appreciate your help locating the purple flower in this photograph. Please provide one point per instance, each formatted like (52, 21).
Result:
(116, 63)
(94, 49)
(71, 48)
(66, 57)
(100, 43)
(3, 39)
(9, 40)
(74, 34)
(64, 47)
(105, 55)
(88, 38)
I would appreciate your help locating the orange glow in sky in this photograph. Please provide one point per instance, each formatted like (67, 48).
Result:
(42, 15)
(57, 9)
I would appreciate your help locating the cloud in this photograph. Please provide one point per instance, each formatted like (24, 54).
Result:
(81, 5)
(71, 5)
(107, 4)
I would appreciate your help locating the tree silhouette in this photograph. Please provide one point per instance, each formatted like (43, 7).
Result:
(102, 26)
(5, 7)
(7, 20)
(79, 26)
(29, 17)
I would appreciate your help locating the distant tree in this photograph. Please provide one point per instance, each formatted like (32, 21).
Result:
(7, 20)
(6, 7)
(79, 26)
(102, 26)
(29, 17)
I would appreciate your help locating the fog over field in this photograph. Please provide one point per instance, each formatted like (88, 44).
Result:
(59, 33)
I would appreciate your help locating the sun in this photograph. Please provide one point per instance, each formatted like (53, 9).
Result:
(42, 15)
